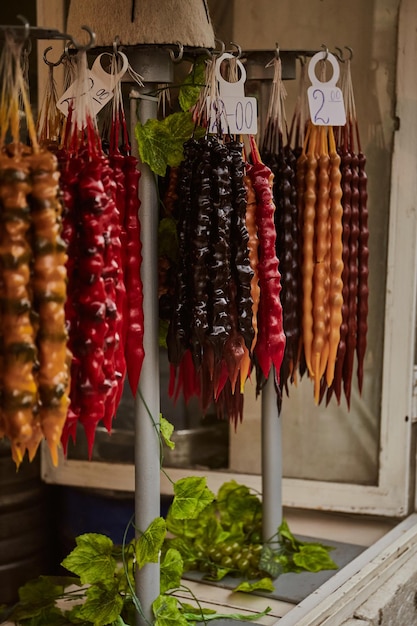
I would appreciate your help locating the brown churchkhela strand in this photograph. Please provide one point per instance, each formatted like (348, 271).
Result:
(353, 282)
(363, 269)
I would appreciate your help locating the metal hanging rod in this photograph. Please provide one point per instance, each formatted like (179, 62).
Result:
(26, 31)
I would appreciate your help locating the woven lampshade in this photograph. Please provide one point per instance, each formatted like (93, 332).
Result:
(143, 21)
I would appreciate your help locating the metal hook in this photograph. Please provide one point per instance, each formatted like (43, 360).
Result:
(178, 58)
(326, 51)
(67, 49)
(277, 50)
(238, 49)
(50, 63)
(339, 54)
(89, 44)
(116, 44)
(222, 46)
(26, 24)
(350, 51)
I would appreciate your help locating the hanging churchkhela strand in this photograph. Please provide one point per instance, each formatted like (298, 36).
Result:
(211, 329)
(279, 156)
(353, 335)
(227, 314)
(35, 359)
(270, 345)
(322, 262)
(96, 281)
(299, 128)
(129, 352)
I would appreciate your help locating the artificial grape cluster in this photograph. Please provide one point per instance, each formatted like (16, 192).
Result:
(242, 560)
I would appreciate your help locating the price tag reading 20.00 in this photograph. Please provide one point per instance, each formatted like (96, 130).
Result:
(232, 112)
(324, 98)
(237, 116)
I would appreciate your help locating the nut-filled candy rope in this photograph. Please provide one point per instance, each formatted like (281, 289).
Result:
(321, 282)
(353, 282)
(271, 338)
(308, 231)
(253, 245)
(363, 265)
(241, 266)
(346, 173)
(336, 258)
(49, 288)
(19, 387)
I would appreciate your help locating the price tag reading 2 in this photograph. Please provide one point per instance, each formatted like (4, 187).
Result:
(96, 90)
(232, 112)
(324, 98)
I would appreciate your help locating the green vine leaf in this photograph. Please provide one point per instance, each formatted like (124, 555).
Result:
(192, 85)
(264, 584)
(205, 615)
(237, 504)
(270, 562)
(92, 559)
(171, 570)
(149, 544)
(180, 127)
(153, 143)
(167, 613)
(166, 429)
(102, 606)
(313, 558)
(286, 536)
(50, 615)
(161, 143)
(191, 496)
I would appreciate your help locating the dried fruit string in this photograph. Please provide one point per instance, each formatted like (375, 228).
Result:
(279, 156)
(35, 359)
(355, 251)
(270, 345)
(322, 262)
(95, 286)
(211, 328)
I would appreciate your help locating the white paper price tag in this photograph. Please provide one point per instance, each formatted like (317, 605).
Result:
(324, 98)
(236, 116)
(232, 112)
(96, 91)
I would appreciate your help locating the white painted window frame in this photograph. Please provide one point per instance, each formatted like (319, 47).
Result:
(391, 496)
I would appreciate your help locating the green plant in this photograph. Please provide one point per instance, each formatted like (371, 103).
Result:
(219, 535)
(101, 591)
(225, 540)
(161, 142)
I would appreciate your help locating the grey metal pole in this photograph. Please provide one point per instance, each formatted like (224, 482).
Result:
(271, 461)
(147, 401)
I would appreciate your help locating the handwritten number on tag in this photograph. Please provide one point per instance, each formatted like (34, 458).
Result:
(317, 118)
(234, 115)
